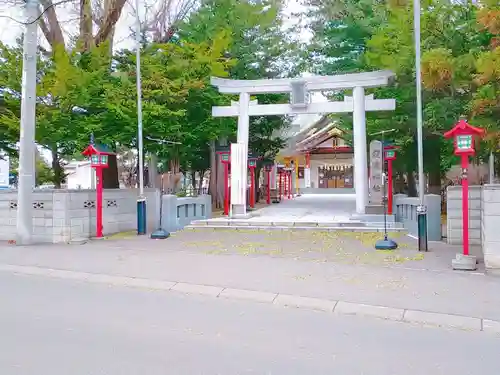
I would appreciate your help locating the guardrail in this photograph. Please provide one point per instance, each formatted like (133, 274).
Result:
(406, 213)
(178, 212)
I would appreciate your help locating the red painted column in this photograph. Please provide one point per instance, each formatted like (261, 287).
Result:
(289, 185)
(269, 187)
(98, 171)
(226, 189)
(252, 187)
(389, 187)
(465, 204)
(285, 185)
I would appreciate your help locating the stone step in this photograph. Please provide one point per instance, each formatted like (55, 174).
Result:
(292, 224)
(293, 228)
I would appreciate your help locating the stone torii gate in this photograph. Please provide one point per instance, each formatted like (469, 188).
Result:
(299, 89)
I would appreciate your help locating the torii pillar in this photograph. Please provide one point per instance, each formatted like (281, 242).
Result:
(360, 151)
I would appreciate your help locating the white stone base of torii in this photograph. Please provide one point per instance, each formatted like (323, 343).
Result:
(299, 88)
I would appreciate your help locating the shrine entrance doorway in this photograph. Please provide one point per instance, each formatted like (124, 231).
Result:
(336, 177)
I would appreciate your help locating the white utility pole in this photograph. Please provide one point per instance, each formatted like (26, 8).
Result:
(422, 210)
(26, 182)
(139, 101)
(141, 200)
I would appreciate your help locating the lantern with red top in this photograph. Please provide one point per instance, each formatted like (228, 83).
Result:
(390, 156)
(225, 159)
(252, 164)
(464, 136)
(99, 159)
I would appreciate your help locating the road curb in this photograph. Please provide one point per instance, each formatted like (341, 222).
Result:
(426, 318)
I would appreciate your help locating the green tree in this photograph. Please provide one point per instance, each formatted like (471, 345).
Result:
(451, 44)
(259, 48)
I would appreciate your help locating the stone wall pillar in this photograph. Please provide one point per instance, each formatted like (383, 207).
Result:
(490, 225)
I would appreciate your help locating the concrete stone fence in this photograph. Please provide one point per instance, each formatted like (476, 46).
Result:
(179, 212)
(454, 227)
(405, 210)
(484, 220)
(68, 215)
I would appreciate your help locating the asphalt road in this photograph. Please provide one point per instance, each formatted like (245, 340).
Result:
(62, 327)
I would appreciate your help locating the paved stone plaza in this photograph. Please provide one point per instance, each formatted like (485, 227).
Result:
(306, 210)
(311, 207)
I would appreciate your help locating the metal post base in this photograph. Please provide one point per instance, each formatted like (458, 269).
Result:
(160, 234)
(422, 228)
(141, 216)
(386, 244)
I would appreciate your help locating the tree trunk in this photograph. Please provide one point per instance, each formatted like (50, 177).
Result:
(193, 180)
(202, 178)
(152, 171)
(212, 185)
(256, 184)
(110, 174)
(107, 7)
(50, 25)
(57, 169)
(220, 184)
(110, 20)
(411, 184)
(435, 182)
(86, 37)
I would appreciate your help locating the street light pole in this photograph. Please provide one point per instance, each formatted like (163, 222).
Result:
(386, 243)
(141, 200)
(421, 209)
(26, 182)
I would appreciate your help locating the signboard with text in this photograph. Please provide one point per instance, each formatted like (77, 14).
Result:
(376, 170)
(4, 170)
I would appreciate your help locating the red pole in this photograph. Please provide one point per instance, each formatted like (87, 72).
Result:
(268, 187)
(98, 231)
(252, 188)
(226, 189)
(465, 204)
(285, 185)
(279, 175)
(289, 185)
(389, 187)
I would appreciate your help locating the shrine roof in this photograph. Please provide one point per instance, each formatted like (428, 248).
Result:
(98, 149)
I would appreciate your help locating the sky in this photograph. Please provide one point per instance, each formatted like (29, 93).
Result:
(10, 30)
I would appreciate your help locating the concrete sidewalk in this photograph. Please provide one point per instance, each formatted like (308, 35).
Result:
(341, 267)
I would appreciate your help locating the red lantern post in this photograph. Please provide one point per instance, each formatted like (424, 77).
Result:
(99, 156)
(390, 156)
(252, 164)
(463, 136)
(225, 158)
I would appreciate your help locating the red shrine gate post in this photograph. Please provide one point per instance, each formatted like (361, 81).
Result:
(464, 136)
